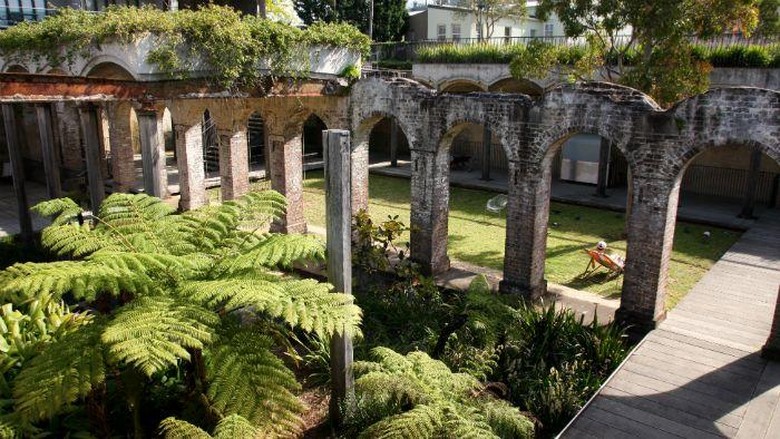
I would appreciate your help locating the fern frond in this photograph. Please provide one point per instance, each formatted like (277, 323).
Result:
(84, 279)
(235, 426)
(172, 428)
(421, 422)
(278, 250)
(306, 304)
(261, 207)
(134, 218)
(154, 265)
(507, 421)
(66, 370)
(77, 240)
(153, 333)
(61, 210)
(247, 379)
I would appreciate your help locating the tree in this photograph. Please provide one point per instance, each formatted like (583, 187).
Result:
(390, 16)
(768, 19)
(488, 12)
(665, 65)
(189, 308)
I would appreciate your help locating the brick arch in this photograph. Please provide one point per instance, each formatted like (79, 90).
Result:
(456, 126)
(461, 85)
(15, 68)
(547, 143)
(510, 84)
(110, 67)
(362, 128)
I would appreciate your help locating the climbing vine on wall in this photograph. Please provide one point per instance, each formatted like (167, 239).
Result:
(231, 45)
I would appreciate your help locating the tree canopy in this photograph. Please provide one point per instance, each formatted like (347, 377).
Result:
(660, 33)
(489, 12)
(390, 16)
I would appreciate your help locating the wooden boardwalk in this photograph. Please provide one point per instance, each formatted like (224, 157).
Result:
(699, 375)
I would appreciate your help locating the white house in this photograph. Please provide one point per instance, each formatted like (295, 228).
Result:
(444, 20)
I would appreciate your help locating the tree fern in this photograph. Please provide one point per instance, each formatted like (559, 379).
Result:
(168, 286)
(153, 333)
(66, 371)
(231, 427)
(247, 379)
(424, 399)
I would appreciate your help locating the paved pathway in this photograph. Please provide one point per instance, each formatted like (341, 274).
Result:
(699, 375)
(9, 219)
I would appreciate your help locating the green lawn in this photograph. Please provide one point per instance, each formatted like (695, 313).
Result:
(477, 236)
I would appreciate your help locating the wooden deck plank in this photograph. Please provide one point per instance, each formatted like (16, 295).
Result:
(763, 405)
(704, 344)
(627, 425)
(712, 351)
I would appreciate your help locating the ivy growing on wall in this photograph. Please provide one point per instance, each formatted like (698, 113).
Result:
(231, 45)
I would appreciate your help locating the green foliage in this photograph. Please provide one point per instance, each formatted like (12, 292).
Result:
(468, 53)
(553, 364)
(768, 19)
(231, 45)
(230, 427)
(351, 73)
(390, 16)
(742, 56)
(162, 295)
(414, 396)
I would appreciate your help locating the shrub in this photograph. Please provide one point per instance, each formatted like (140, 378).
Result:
(415, 396)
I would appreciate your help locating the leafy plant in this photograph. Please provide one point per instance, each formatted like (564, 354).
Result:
(552, 363)
(155, 294)
(229, 44)
(414, 396)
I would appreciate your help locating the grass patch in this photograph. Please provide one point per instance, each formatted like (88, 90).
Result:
(477, 236)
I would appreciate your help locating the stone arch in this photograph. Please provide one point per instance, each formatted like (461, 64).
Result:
(456, 126)
(56, 71)
(16, 68)
(546, 144)
(693, 149)
(461, 85)
(515, 85)
(108, 67)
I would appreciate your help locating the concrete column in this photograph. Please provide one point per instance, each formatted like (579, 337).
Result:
(604, 158)
(189, 153)
(393, 143)
(338, 198)
(90, 129)
(234, 163)
(17, 172)
(152, 153)
(122, 157)
(487, 144)
(287, 178)
(430, 210)
(771, 350)
(51, 166)
(526, 232)
(651, 225)
(752, 184)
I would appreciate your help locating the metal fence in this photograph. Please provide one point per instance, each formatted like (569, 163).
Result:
(730, 183)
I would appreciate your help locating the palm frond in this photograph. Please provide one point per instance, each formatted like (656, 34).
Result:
(247, 379)
(154, 333)
(65, 371)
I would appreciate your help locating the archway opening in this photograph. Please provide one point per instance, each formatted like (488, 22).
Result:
(210, 146)
(513, 85)
(722, 191)
(388, 145)
(256, 145)
(583, 201)
(461, 87)
(477, 159)
(312, 142)
(109, 70)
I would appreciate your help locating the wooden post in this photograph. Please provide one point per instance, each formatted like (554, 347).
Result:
(89, 129)
(152, 154)
(487, 139)
(604, 157)
(51, 168)
(393, 143)
(17, 173)
(338, 220)
(752, 184)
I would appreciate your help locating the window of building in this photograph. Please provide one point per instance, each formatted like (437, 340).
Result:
(548, 30)
(455, 32)
(441, 32)
(507, 34)
(533, 33)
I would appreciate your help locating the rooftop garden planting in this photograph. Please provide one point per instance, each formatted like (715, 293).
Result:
(231, 45)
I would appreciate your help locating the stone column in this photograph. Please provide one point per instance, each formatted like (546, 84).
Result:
(430, 210)
(393, 143)
(287, 178)
(189, 154)
(90, 129)
(650, 237)
(604, 158)
(754, 173)
(234, 163)
(152, 153)
(771, 350)
(359, 174)
(17, 172)
(526, 232)
(51, 166)
(122, 157)
(487, 139)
